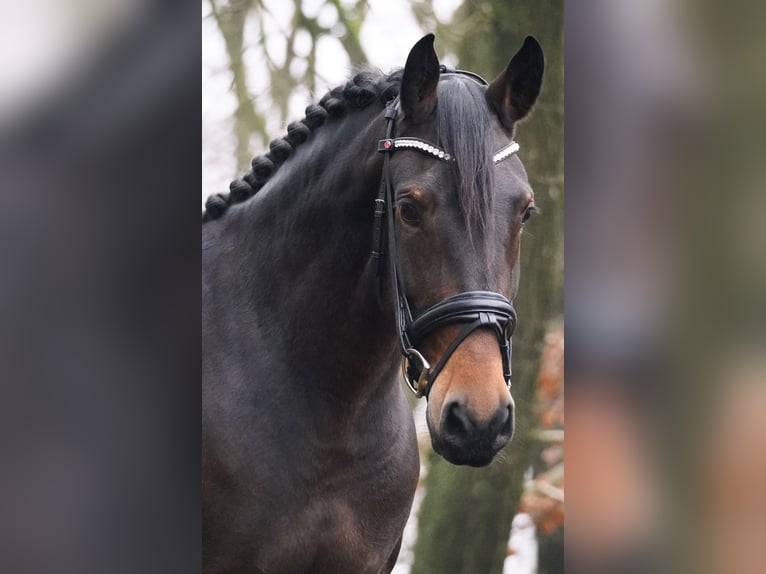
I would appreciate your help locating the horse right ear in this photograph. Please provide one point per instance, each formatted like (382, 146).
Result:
(419, 81)
(513, 93)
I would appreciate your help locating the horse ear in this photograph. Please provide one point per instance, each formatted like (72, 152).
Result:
(419, 81)
(512, 94)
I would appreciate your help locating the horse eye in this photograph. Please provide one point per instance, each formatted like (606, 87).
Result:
(528, 213)
(409, 213)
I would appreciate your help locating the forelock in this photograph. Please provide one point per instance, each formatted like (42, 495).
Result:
(464, 130)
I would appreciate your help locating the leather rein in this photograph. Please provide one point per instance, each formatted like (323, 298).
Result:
(472, 309)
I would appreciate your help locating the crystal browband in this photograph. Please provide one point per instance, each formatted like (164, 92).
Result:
(507, 151)
(390, 145)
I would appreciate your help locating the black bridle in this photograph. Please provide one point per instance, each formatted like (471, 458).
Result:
(472, 309)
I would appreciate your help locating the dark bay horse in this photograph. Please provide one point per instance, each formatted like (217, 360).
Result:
(386, 224)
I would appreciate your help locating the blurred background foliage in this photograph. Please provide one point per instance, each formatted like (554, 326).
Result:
(274, 54)
(296, 67)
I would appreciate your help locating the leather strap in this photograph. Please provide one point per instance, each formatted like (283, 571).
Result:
(476, 308)
(461, 308)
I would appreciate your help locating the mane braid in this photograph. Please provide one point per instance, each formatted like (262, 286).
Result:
(359, 93)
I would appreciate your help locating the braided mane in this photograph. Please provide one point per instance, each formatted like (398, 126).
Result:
(359, 93)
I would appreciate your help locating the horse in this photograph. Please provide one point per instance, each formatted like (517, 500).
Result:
(385, 227)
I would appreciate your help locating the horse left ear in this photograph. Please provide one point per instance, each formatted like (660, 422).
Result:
(419, 80)
(513, 93)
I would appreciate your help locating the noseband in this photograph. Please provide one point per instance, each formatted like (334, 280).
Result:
(472, 309)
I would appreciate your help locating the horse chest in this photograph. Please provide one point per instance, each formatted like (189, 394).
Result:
(340, 538)
(350, 522)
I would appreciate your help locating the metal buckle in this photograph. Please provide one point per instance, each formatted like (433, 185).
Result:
(418, 387)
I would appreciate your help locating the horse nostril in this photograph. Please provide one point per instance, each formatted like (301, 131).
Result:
(502, 421)
(456, 421)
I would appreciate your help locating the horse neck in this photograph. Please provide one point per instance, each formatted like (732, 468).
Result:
(304, 254)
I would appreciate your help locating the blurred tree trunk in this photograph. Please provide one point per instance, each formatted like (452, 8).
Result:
(231, 17)
(231, 21)
(465, 518)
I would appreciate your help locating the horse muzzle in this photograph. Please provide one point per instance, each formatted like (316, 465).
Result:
(464, 439)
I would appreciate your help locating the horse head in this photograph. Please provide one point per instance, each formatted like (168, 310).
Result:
(459, 197)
